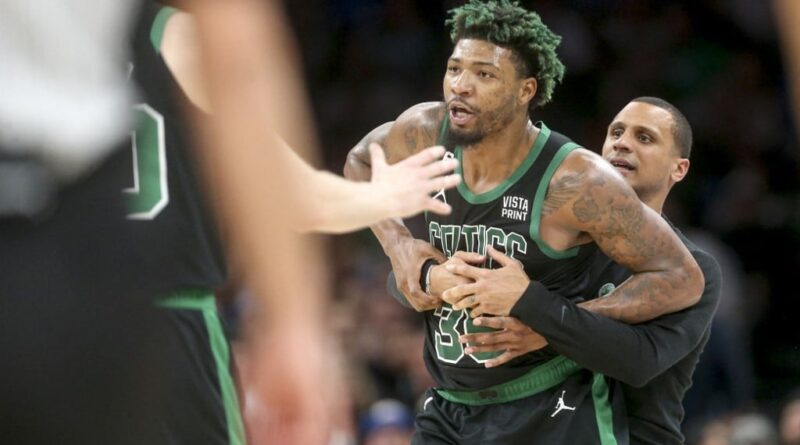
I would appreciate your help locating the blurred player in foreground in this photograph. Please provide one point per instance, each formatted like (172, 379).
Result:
(168, 68)
(76, 291)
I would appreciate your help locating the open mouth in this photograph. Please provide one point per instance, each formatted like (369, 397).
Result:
(460, 114)
(622, 164)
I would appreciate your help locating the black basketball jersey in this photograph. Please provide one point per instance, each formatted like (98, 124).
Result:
(165, 197)
(507, 218)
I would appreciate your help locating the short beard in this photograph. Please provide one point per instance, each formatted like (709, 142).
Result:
(453, 138)
(494, 120)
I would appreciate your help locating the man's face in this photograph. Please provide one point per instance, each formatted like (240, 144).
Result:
(640, 145)
(481, 89)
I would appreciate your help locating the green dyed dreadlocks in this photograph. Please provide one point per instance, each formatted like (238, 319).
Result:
(505, 23)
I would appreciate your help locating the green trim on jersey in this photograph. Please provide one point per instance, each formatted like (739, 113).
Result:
(159, 24)
(443, 127)
(535, 381)
(491, 195)
(602, 410)
(538, 203)
(203, 300)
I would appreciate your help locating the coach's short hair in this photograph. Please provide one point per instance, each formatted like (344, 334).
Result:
(505, 23)
(681, 129)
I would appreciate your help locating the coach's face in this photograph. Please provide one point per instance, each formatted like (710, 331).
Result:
(483, 90)
(640, 145)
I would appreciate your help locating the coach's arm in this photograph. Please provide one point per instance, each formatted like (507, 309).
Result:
(633, 354)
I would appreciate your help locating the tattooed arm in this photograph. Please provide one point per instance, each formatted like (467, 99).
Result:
(589, 201)
(413, 130)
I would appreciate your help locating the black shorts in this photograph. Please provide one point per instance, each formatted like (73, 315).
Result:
(585, 408)
(78, 332)
(201, 401)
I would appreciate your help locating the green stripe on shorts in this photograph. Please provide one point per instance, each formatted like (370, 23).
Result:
(203, 300)
(602, 410)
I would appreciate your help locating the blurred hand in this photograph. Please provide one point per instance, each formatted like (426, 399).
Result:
(289, 396)
(406, 186)
(513, 337)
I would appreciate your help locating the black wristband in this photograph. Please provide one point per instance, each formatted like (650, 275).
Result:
(426, 266)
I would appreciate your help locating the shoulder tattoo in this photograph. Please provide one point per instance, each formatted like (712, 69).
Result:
(418, 137)
(562, 191)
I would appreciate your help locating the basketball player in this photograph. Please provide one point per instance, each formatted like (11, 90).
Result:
(75, 313)
(166, 203)
(546, 202)
(649, 143)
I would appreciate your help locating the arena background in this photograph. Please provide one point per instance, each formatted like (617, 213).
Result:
(718, 61)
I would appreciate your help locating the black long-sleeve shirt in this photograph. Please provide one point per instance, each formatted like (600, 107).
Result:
(653, 360)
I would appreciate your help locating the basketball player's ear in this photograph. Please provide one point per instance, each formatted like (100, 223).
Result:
(680, 169)
(528, 90)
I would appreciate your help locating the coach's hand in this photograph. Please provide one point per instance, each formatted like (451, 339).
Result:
(494, 291)
(513, 338)
(443, 279)
(407, 258)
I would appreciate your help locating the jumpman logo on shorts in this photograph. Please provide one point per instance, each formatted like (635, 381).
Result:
(560, 406)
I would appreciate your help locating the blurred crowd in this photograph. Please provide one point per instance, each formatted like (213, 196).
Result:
(719, 61)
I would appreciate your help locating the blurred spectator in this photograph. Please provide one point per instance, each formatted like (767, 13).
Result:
(739, 429)
(387, 422)
(789, 426)
(717, 432)
(723, 381)
(753, 429)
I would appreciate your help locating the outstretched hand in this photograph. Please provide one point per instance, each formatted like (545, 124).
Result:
(493, 291)
(406, 186)
(512, 337)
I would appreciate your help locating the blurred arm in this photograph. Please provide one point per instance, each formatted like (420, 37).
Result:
(254, 92)
(787, 16)
(324, 202)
